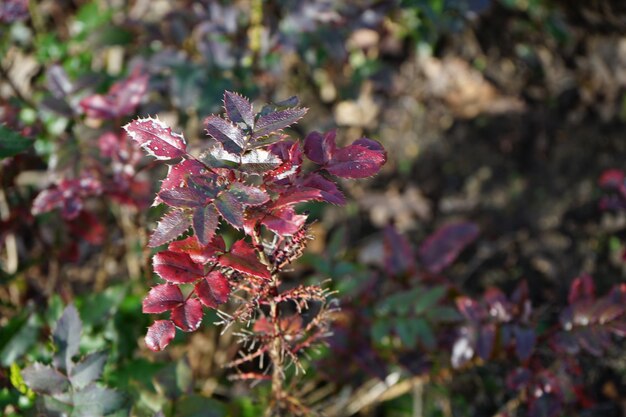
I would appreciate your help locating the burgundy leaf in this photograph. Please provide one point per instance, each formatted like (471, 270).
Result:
(486, 341)
(356, 161)
(248, 195)
(290, 153)
(230, 208)
(328, 189)
(162, 298)
(440, 249)
(242, 257)
(172, 225)
(213, 290)
(276, 121)
(199, 253)
(582, 288)
(205, 220)
(369, 144)
(398, 253)
(183, 197)
(176, 267)
(87, 226)
(238, 108)
(524, 342)
(229, 135)
(258, 161)
(157, 138)
(160, 334)
(121, 100)
(518, 378)
(320, 148)
(188, 316)
(282, 221)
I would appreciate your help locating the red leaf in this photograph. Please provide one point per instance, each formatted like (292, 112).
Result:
(283, 221)
(581, 289)
(229, 135)
(188, 316)
(398, 253)
(213, 290)
(238, 108)
(524, 342)
(314, 187)
(160, 334)
(276, 121)
(230, 208)
(205, 220)
(162, 298)
(178, 174)
(157, 138)
(87, 226)
(320, 148)
(121, 100)
(199, 253)
(363, 158)
(176, 267)
(356, 161)
(182, 197)
(248, 195)
(242, 257)
(172, 225)
(441, 248)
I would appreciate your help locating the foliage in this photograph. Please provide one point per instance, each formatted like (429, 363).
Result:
(251, 177)
(68, 386)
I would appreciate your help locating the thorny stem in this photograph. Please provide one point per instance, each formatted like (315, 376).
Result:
(276, 348)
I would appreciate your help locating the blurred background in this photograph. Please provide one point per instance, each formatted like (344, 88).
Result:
(499, 117)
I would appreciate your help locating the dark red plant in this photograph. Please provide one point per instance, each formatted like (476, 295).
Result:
(251, 177)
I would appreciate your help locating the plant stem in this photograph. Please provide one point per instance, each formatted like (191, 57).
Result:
(276, 349)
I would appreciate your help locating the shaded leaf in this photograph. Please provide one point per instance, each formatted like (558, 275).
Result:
(248, 195)
(162, 298)
(486, 341)
(398, 253)
(230, 208)
(188, 315)
(157, 138)
(182, 197)
(171, 225)
(229, 135)
(441, 248)
(176, 267)
(524, 342)
(213, 290)
(582, 288)
(205, 221)
(320, 148)
(276, 121)
(429, 298)
(242, 257)
(160, 334)
(238, 108)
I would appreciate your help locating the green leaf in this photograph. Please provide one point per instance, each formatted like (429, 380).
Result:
(44, 379)
(198, 406)
(429, 298)
(424, 333)
(66, 337)
(443, 314)
(96, 401)
(12, 143)
(380, 329)
(17, 337)
(88, 370)
(406, 332)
